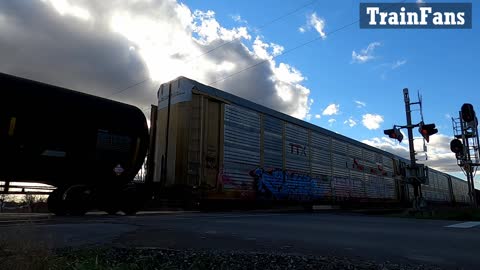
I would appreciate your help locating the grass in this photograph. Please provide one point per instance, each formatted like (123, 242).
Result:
(87, 259)
(34, 256)
(95, 258)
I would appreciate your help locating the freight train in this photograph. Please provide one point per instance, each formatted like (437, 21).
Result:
(204, 146)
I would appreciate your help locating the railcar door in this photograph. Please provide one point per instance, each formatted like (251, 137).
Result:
(211, 153)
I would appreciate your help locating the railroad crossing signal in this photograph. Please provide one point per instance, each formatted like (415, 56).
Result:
(394, 134)
(468, 113)
(465, 145)
(457, 147)
(427, 130)
(416, 174)
(468, 116)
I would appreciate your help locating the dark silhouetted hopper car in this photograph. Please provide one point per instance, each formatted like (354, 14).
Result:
(221, 148)
(88, 147)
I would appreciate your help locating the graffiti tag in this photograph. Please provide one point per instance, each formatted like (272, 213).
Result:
(286, 185)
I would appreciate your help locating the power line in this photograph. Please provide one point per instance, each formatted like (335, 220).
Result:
(126, 88)
(284, 53)
(276, 56)
(281, 54)
(221, 45)
(294, 48)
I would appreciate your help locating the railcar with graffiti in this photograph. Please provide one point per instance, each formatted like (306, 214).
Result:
(230, 148)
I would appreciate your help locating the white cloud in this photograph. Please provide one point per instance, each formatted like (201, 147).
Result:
(439, 155)
(332, 109)
(237, 18)
(350, 122)
(318, 24)
(372, 121)
(366, 54)
(398, 64)
(308, 117)
(331, 121)
(209, 29)
(389, 145)
(314, 22)
(387, 67)
(420, 1)
(360, 104)
(124, 42)
(318, 116)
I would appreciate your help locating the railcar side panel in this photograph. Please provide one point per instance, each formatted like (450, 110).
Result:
(241, 150)
(460, 190)
(260, 154)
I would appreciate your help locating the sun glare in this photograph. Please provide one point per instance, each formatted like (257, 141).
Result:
(65, 8)
(153, 41)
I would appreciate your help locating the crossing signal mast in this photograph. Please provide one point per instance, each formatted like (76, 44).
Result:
(416, 174)
(466, 146)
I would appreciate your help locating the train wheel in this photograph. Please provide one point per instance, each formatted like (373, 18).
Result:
(130, 211)
(112, 211)
(308, 207)
(131, 201)
(109, 201)
(77, 208)
(77, 211)
(55, 203)
(78, 200)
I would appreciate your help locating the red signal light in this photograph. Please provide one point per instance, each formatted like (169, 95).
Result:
(427, 130)
(394, 134)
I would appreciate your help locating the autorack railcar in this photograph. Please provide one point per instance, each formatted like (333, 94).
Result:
(229, 148)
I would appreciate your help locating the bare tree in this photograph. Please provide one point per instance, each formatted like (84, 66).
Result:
(30, 200)
(4, 198)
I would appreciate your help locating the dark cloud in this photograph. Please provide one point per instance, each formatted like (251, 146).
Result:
(36, 42)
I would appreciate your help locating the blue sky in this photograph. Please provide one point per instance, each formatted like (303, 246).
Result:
(441, 64)
(349, 81)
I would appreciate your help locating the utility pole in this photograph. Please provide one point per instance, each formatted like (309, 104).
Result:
(416, 190)
(415, 174)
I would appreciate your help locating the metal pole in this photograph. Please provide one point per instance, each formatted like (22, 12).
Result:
(408, 112)
(409, 126)
(472, 188)
(467, 161)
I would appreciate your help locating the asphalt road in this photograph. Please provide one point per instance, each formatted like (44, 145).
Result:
(380, 239)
